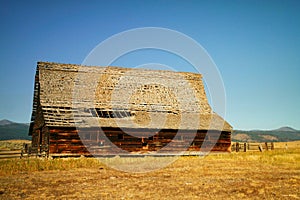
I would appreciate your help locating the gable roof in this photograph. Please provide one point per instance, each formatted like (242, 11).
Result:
(70, 95)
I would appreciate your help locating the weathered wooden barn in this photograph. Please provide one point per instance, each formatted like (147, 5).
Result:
(81, 110)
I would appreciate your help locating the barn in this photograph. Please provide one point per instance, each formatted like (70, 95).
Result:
(90, 110)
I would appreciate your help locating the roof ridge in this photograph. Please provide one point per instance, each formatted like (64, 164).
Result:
(56, 66)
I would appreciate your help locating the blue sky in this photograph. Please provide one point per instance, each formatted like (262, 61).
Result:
(255, 45)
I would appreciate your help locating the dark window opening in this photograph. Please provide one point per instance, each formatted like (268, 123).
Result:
(97, 112)
(121, 136)
(144, 144)
(151, 138)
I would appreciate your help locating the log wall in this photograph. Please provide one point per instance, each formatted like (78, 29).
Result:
(68, 141)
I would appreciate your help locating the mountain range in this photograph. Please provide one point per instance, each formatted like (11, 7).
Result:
(283, 134)
(11, 130)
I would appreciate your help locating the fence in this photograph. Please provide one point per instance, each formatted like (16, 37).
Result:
(6, 153)
(26, 151)
(239, 146)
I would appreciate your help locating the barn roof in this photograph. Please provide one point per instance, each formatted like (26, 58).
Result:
(70, 95)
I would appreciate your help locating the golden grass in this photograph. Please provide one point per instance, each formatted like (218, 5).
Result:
(13, 144)
(277, 157)
(287, 145)
(249, 175)
(14, 166)
(290, 157)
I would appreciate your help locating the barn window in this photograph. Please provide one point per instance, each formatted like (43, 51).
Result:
(97, 112)
(121, 136)
(151, 138)
(144, 144)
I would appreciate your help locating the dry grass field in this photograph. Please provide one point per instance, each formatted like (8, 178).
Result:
(13, 144)
(287, 145)
(250, 175)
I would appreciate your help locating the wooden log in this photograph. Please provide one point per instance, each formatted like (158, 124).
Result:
(67, 134)
(65, 141)
(124, 143)
(10, 152)
(61, 131)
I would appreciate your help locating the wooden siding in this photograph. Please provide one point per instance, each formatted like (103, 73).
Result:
(91, 141)
(40, 133)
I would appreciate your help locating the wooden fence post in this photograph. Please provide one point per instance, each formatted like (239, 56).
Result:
(245, 147)
(237, 147)
(272, 145)
(260, 148)
(266, 146)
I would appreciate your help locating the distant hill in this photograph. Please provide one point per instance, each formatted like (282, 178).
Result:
(282, 134)
(6, 122)
(286, 129)
(11, 130)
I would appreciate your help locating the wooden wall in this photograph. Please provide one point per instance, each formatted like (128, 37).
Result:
(40, 133)
(67, 141)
